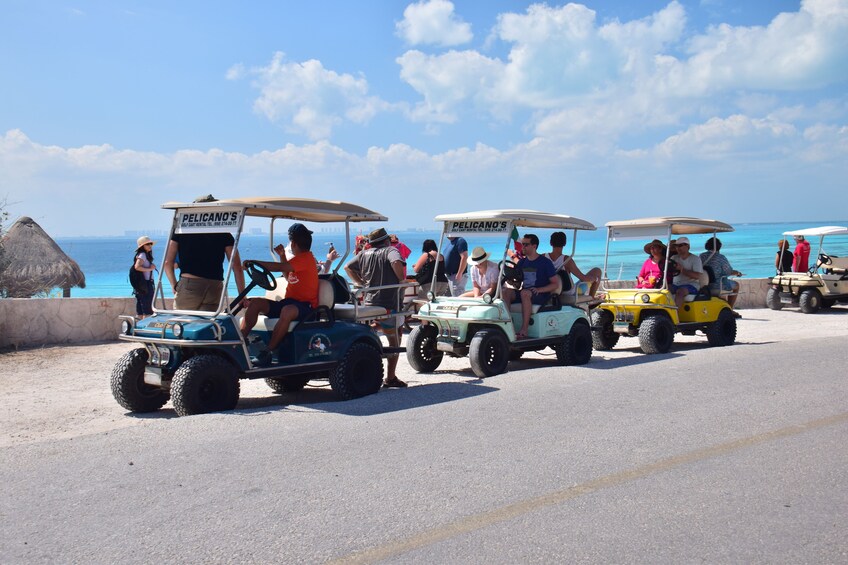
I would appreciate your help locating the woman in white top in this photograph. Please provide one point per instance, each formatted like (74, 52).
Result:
(484, 274)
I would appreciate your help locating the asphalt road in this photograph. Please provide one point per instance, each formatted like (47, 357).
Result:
(702, 455)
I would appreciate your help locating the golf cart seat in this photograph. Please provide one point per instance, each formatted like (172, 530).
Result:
(326, 295)
(837, 266)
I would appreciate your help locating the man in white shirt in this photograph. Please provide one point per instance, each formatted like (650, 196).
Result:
(688, 278)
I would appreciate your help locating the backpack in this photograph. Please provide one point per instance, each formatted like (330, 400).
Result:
(137, 280)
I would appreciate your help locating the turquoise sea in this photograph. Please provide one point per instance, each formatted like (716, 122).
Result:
(751, 249)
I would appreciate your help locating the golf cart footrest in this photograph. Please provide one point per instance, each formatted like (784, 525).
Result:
(393, 350)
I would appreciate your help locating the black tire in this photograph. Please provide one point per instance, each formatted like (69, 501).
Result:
(656, 334)
(489, 353)
(605, 338)
(359, 373)
(205, 383)
(293, 384)
(576, 347)
(421, 352)
(722, 332)
(129, 388)
(810, 300)
(515, 354)
(773, 299)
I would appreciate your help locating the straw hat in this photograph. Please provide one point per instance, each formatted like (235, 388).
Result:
(143, 240)
(648, 246)
(478, 255)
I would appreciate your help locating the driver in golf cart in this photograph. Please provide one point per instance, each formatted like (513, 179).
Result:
(301, 294)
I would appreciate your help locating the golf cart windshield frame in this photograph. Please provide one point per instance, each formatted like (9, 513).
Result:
(644, 228)
(494, 222)
(272, 208)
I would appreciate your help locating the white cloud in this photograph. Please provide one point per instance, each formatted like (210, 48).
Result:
(449, 81)
(308, 99)
(731, 137)
(583, 78)
(433, 22)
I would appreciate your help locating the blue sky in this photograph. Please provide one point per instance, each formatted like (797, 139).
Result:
(605, 110)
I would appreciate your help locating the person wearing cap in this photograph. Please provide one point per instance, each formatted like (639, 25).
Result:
(301, 296)
(145, 265)
(783, 259)
(381, 265)
(201, 267)
(688, 278)
(651, 275)
(484, 274)
(721, 268)
(456, 263)
(801, 255)
(539, 282)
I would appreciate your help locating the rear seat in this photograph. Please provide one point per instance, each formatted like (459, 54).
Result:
(838, 265)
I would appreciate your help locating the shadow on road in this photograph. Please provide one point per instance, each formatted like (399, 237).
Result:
(387, 400)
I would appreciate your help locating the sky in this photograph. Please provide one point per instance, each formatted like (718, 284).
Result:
(604, 110)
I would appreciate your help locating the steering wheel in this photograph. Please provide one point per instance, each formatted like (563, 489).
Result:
(513, 275)
(260, 275)
(825, 259)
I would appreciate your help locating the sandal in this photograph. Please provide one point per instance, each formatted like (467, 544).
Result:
(394, 382)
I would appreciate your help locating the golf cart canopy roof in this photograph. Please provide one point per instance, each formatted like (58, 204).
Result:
(303, 209)
(680, 225)
(524, 218)
(818, 232)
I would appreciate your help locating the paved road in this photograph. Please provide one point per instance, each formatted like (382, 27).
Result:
(718, 455)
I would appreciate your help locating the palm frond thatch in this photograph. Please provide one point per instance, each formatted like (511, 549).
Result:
(34, 263)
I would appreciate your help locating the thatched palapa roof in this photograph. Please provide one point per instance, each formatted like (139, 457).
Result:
(34, 262)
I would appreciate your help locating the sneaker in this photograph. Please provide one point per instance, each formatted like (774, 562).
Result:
(264, 358)
(394, 382)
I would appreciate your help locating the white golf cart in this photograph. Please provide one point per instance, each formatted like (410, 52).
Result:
(196, 358)
(484, 328)
(825, 284)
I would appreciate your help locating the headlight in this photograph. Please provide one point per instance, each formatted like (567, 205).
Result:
(126, 327)
(487, 298)
(178, 330)
(646, 298)
(431, 295)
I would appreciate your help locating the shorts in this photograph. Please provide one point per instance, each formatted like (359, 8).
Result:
(303, 308)
(391, 322)
(688, 287)
(193, 293)
(540, 298)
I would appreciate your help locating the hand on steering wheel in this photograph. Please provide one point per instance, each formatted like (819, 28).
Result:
(260, 275)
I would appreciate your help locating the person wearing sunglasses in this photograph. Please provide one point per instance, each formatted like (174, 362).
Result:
(539, 282)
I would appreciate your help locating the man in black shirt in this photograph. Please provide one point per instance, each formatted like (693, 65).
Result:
(201, 260)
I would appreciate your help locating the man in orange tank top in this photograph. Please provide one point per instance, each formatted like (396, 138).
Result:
(301, 291)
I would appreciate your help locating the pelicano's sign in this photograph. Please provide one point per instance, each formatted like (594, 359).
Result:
(208, 220)
(477, 227)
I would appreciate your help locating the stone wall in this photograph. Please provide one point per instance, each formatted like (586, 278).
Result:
(27, 322)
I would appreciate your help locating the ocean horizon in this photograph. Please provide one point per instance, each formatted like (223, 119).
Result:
(751, 248)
